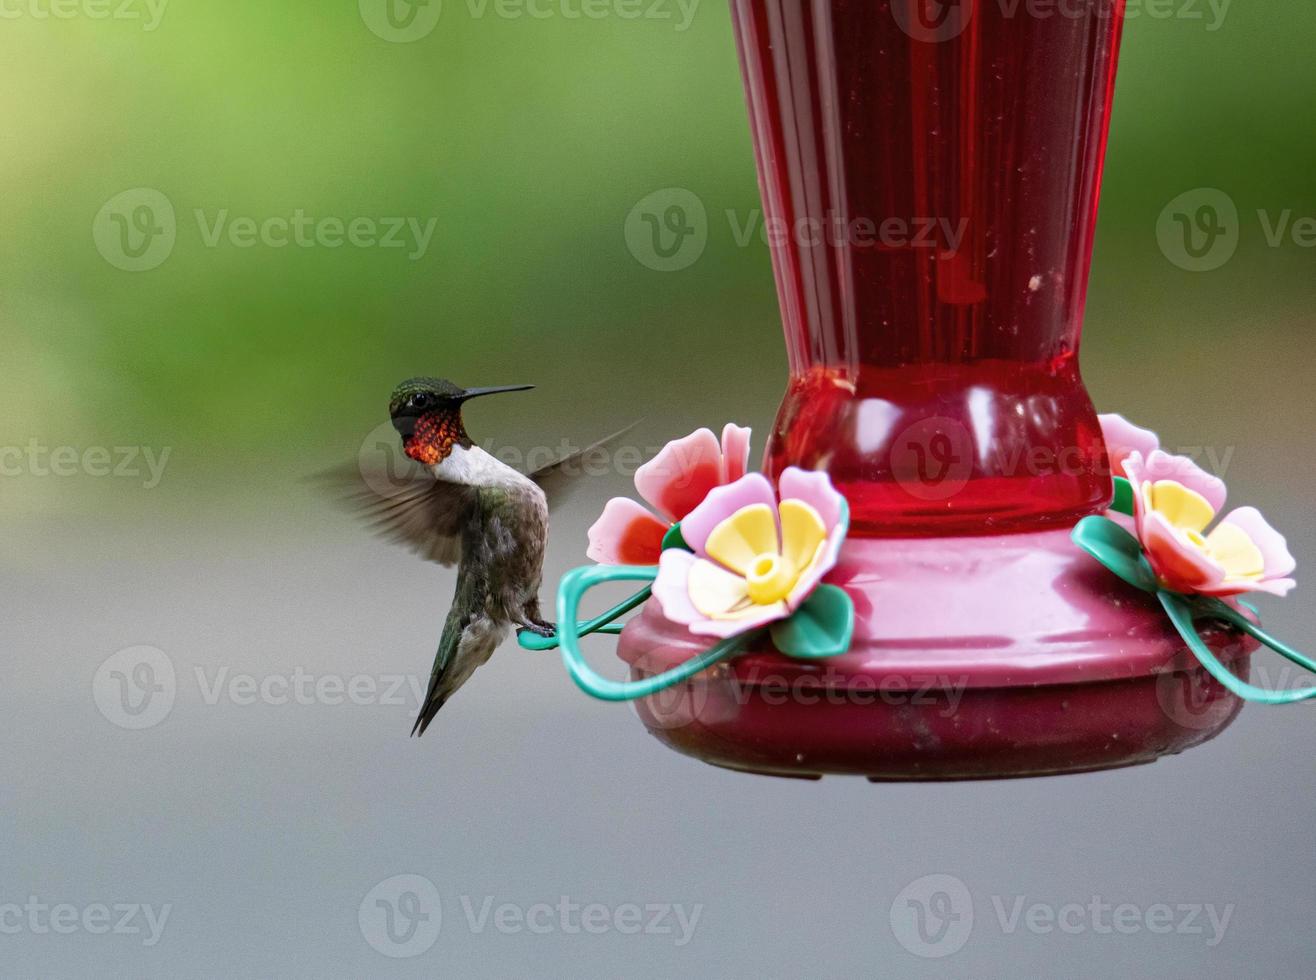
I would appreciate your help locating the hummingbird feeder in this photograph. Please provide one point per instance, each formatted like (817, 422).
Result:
(909, 591)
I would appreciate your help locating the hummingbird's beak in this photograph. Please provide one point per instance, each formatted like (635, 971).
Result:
(477, 392)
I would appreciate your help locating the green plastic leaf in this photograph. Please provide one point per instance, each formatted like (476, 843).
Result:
(1181, 612)
(1123, 497)
(822, 627)
(674, 539)
(1117, 549)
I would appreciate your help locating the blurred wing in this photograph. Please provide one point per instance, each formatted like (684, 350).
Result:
(562, 477)
(408, 507)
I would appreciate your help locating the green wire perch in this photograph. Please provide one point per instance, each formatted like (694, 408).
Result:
(569, 632)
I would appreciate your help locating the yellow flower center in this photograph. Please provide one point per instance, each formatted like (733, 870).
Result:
(753, 564)
(1190, 514)
(770, 578)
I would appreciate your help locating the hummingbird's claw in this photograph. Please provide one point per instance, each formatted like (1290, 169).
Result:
(541, 628)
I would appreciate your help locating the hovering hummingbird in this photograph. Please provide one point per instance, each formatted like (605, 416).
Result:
(467, 508)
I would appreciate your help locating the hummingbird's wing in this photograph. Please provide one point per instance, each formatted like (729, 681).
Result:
(408, 506)
(561, 478)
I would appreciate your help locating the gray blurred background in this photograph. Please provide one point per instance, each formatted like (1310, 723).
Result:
(198, 370)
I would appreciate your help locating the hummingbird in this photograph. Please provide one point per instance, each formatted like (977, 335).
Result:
(460, 505)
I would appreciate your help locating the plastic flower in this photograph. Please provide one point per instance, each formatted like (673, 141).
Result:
(673, 483)
(1123, 438)
(1175, 501)
(755, 560)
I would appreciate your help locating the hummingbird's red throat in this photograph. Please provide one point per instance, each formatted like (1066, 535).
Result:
(434, 436)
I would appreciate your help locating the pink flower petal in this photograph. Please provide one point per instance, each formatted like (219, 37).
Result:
(672, 589)
(1162, 466)
(680, 476)
(830, 553)
(722, 628)
(721, 503)
(1177, 562)
(626, 534)
(1234, 587)
(735, 452)
(1274, 548)
(1276, 586)
(1122, 437)
(814, 487)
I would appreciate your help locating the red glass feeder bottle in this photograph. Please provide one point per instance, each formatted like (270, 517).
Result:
(934, 180)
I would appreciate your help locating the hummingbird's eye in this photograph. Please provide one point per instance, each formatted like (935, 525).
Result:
(418, 401)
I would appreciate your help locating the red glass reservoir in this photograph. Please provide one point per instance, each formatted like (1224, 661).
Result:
(932, 186)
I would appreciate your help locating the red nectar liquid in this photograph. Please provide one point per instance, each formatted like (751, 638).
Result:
(930, 172)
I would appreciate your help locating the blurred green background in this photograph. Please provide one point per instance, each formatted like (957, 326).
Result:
(528, 141)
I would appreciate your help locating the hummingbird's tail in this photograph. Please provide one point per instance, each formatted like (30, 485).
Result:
(467, 643)
(431, 708)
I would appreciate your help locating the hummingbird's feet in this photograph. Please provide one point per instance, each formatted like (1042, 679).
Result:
(540, 628)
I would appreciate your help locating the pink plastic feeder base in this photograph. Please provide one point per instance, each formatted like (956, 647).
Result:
(973, 658)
